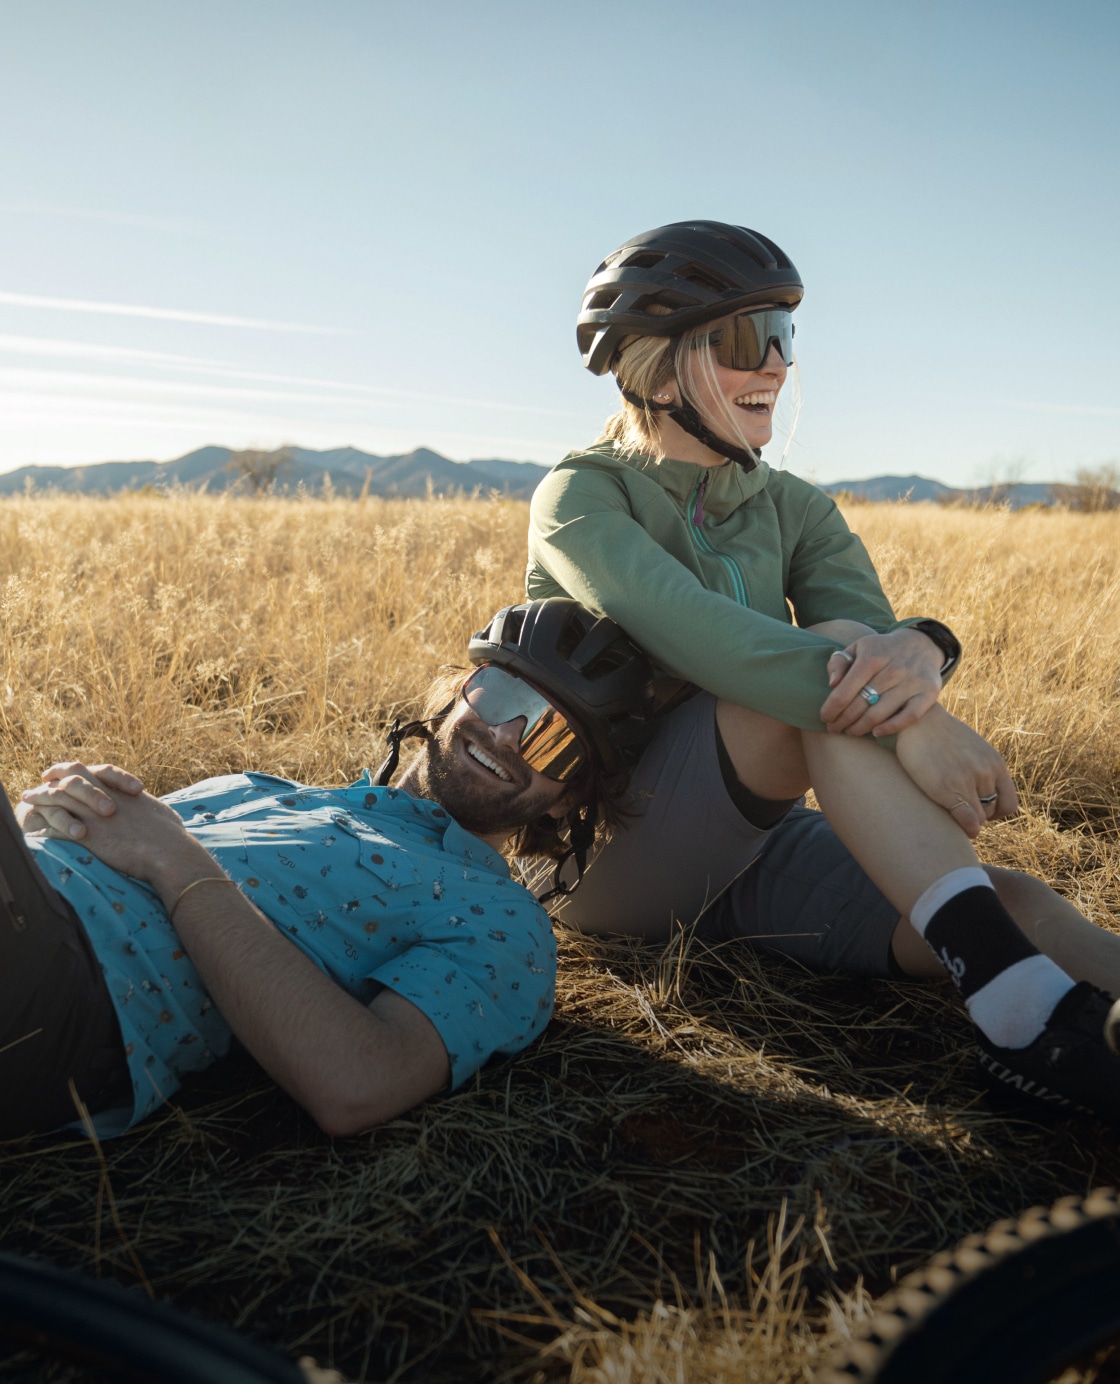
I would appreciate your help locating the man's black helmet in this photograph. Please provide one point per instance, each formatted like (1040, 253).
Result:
(585, 663)
(698, 270)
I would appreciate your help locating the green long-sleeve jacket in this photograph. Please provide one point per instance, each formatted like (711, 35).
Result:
(701, 567)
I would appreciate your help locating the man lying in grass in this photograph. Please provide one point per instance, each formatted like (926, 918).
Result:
(366, 944)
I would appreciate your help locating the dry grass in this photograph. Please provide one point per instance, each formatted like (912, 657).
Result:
(709, 1161)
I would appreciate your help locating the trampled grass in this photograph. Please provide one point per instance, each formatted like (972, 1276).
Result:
(710, 1161)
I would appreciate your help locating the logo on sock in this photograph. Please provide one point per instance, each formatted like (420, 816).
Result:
(954, 965)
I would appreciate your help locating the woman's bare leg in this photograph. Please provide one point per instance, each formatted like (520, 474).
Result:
(904, 841)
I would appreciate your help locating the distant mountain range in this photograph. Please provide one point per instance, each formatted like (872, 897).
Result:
(890, 488)
(423, 471)
(350, 472)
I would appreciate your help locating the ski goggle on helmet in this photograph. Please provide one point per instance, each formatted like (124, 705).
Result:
(550, 744)
(744, 342)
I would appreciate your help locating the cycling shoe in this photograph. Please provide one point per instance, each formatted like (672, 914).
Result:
(1072, 1067)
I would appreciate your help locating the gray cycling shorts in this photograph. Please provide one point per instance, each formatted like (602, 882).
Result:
(688, 855)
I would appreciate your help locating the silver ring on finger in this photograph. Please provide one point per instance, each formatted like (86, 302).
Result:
(869, 695)
(989, 799)
(843, 653)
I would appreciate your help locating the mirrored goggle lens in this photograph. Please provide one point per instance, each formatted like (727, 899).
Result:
(744, 342)
(548, 743)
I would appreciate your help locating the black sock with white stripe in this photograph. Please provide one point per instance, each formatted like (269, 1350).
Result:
(1009, 987)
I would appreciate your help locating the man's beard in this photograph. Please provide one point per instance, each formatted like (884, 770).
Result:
(483, 808)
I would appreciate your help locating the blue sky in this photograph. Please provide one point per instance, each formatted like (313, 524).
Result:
(253, 222)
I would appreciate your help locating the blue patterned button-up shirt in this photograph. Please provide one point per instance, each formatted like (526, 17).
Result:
(378, 888)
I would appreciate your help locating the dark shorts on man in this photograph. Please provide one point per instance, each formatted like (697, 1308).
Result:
(57, 1022)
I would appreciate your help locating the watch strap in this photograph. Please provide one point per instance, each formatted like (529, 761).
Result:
(945, 640)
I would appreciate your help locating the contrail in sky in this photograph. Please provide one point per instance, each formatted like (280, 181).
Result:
(28, 300)
(113, 218)
(163, 360)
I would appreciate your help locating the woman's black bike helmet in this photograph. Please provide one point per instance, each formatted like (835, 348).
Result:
(584, 663)
(667, 281)
(692, 272)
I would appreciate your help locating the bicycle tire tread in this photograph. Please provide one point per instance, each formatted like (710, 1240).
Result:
(992, 1285)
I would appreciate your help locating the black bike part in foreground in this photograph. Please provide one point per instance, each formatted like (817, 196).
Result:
(1018, 1303)
(66, 1316)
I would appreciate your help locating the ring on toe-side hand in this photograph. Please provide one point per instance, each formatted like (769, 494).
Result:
(869, 695)
(990, 799)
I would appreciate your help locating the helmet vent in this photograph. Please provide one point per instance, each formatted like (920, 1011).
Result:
(596, 654)
(666, 299)
(607, 662)
(703, 277)
(643, 259)
(512, 625)
(605, 298)
(568, 640)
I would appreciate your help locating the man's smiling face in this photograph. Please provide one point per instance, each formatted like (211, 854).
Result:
(477, 773)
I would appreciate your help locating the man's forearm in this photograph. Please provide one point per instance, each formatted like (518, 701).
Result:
(350, 1067)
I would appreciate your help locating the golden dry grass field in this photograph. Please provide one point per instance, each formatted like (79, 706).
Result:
(710, 1162)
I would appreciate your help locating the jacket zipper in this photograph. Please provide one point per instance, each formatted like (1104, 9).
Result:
(696, 520)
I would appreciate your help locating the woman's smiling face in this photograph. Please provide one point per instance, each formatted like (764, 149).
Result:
(721, 393)
(749, 395)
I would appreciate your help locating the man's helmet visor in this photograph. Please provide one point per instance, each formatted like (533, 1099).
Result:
(744, 342)
(549, 743)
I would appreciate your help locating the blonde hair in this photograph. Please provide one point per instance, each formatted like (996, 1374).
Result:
(646, 364)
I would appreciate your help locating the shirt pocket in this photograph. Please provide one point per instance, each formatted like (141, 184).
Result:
(388, 864)
(341, 877)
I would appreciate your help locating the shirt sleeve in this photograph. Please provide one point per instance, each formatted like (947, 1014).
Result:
(485, 977)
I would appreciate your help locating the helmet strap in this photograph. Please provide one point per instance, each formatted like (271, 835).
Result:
(689, 421)
(581, 835)
(686, 417)
(396, 733)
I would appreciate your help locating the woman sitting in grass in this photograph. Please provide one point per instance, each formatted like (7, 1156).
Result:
(673, 525)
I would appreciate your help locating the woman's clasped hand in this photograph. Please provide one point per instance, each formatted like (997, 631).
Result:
(882, 683)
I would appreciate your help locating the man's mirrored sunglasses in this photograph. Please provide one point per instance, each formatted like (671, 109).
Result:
(744, 342)
(549, 744)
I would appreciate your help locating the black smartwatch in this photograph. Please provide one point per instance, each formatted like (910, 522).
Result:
(945, 640)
